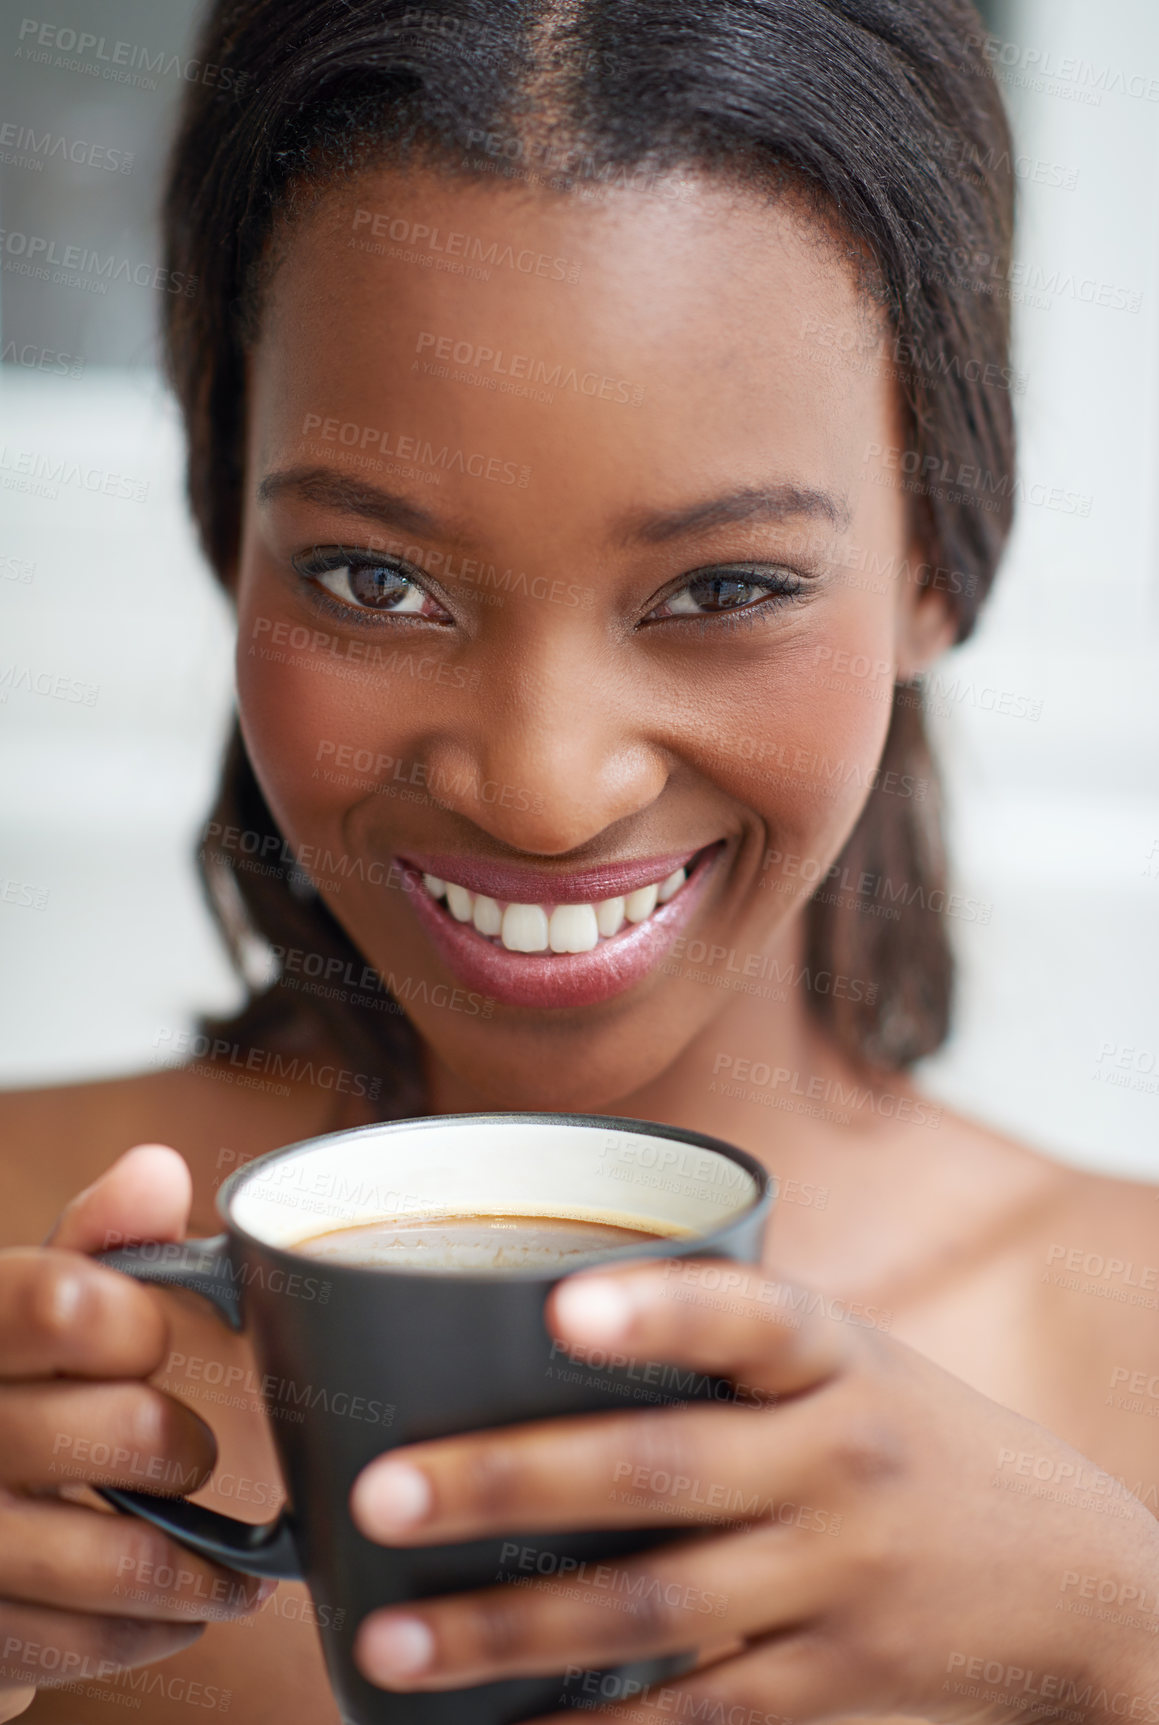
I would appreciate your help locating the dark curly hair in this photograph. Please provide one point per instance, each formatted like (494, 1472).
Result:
(881, 112)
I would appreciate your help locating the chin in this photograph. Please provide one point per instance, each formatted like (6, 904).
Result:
(571, 1080)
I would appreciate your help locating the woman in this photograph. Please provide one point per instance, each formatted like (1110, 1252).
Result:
(600, 418)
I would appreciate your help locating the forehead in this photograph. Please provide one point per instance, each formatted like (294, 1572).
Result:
(673, 329)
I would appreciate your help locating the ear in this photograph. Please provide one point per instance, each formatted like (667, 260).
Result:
(927, 623)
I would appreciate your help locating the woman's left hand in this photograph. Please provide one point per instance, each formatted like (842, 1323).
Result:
(851, 1546)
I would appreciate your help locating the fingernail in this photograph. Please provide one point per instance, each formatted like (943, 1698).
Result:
(397, 1647)
(264, 1591)
(393, 1497)
(595, 1308)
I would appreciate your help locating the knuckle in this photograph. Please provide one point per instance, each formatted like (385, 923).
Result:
(53, 1300)
(867, 1449)
(650, 1615)
(659, 1452)
(500, 1630)
(140, 1552)
(491, 1477)
(125, 1641)
(145, 1420)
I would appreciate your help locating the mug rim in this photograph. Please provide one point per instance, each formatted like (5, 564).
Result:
(662, 1247)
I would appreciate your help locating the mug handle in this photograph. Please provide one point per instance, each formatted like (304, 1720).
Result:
(204, 1267)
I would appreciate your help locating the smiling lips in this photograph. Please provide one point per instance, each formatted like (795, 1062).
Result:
(589, 941)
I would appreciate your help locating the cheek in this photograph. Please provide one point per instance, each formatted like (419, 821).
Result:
(800, 740)
(302, 721)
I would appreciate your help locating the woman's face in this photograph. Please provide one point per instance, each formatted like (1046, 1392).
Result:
(570, 560)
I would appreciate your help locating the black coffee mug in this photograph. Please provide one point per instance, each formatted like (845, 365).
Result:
(375, 1358)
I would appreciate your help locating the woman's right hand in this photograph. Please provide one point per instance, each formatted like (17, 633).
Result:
(85, 1592)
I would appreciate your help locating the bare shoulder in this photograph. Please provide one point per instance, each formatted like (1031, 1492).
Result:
(1080, 1285)
(1072, 1212)
(55, 1140)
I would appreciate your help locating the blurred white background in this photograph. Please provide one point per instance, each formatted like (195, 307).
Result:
(1055, 821)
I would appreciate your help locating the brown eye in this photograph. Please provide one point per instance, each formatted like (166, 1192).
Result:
(715, 591)
(359, 584)
(381, 587)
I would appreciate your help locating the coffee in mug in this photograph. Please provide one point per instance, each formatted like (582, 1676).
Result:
(444, 1245)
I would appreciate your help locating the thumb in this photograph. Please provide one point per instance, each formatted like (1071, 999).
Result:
(145, 1195)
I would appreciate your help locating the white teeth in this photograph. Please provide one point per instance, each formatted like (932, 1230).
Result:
(488, 917)
(573, 928)
(524, 928)
(459, 902)
(568, 927)
(672, 885)
(640, 904)
(610, 916)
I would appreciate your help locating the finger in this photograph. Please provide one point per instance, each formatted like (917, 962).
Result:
(684, 1464)
(723, 1318)
(599, 1614)
(14, 1702)
(145, 1195)
(62, 1314)
(73, 1559)
(103, 1434)
(46, 1648)
(776, 1681)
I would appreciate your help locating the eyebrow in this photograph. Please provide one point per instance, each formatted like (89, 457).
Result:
(351, 496)
(765, 503)
(769, 503)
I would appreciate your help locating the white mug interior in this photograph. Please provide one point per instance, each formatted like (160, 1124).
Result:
(507, 1167)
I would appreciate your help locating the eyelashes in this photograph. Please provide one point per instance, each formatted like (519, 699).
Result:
(728, 592)
(358, 585)
(369, 585)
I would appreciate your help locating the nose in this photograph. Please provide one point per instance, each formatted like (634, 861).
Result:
(555, 748)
